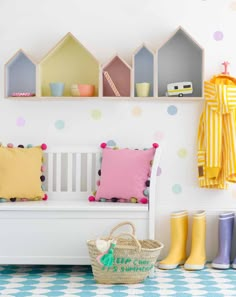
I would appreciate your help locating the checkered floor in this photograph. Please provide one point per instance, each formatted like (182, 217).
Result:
(72, 281)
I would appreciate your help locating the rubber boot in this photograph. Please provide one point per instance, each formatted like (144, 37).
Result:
(234, 263)
(197, 258)
(179, 232)
(225, 235)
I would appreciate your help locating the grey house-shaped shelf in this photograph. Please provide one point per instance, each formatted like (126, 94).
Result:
(20, 76)
(143, 69)
(116, 78)
(180, 59)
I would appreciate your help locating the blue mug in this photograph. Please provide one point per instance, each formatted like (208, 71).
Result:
(57, 88)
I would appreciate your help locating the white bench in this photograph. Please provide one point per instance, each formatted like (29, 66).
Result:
(55, 231)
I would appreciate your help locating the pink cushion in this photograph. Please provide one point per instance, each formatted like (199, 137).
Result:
(124, 173)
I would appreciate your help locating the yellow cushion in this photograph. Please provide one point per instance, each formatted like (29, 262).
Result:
(20, 171)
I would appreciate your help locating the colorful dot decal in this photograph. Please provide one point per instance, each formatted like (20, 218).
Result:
(111, 143)
(159, 171)
(158, 136)
(59, 124)
(182, 153)
(233, 5)
(177, 189)
(96, 114)
(137, 111)
(20, 122)
(172, 110)
(218, 35)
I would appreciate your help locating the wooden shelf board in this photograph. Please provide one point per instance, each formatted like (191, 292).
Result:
(179, 99)
(21, 97)
(136, 99)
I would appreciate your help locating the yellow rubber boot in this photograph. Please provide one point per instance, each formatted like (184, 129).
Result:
(179, 233)
(197, 258)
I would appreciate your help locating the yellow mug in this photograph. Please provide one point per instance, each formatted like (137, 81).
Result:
(142, 89)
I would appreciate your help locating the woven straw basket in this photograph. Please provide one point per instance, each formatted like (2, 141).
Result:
(133, 259)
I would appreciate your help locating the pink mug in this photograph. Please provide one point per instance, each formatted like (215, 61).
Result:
(82, 90)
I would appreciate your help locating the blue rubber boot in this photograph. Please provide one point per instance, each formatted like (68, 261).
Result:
(225, 233)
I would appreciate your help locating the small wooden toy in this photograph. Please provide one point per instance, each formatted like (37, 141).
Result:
(179, 88)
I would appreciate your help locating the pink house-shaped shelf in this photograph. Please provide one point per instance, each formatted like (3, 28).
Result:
(116, 76)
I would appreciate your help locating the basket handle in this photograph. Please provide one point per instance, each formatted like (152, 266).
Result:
(132, 236)
(123, 224)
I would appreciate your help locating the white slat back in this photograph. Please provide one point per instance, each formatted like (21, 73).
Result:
(50, 172)
(97, 165)
(89, 172)
(72, 171)
(78, 172)
(69, 172)
(58, 172)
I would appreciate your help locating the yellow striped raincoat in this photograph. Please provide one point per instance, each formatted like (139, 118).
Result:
(216, 134)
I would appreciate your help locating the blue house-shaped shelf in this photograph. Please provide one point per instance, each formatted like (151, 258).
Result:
(143, 68)
(20, 75)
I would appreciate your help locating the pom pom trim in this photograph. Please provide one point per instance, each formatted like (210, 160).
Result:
(103, 145)
(155, 145)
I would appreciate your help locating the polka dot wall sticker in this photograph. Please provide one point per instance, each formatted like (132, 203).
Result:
(177, 189)
(159, 171)
(172, 110)
(20, 122)
(182, 153)
(137, 111)
(111, 142)
(159, 135)
(233, 5)
(59, 124)
(96, 114)
(218, 35)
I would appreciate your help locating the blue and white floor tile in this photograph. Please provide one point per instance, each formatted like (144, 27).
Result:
(74, 281)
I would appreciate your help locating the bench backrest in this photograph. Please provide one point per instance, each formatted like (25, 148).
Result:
(71, 172)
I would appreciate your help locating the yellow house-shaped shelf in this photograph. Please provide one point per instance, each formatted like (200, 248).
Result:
(68, 62)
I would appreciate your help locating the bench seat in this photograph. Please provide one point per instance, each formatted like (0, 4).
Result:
(79, 205)
(56, 231)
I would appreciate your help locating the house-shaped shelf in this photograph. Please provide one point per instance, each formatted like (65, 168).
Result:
(68, 62)
(143, 69)
(116, 76)
(180, 59)
(20, 76)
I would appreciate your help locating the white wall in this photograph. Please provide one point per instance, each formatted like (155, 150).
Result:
(107, 27)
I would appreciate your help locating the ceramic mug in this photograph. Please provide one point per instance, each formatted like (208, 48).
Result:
(142, 89)
(57, 88)
(82, 90)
